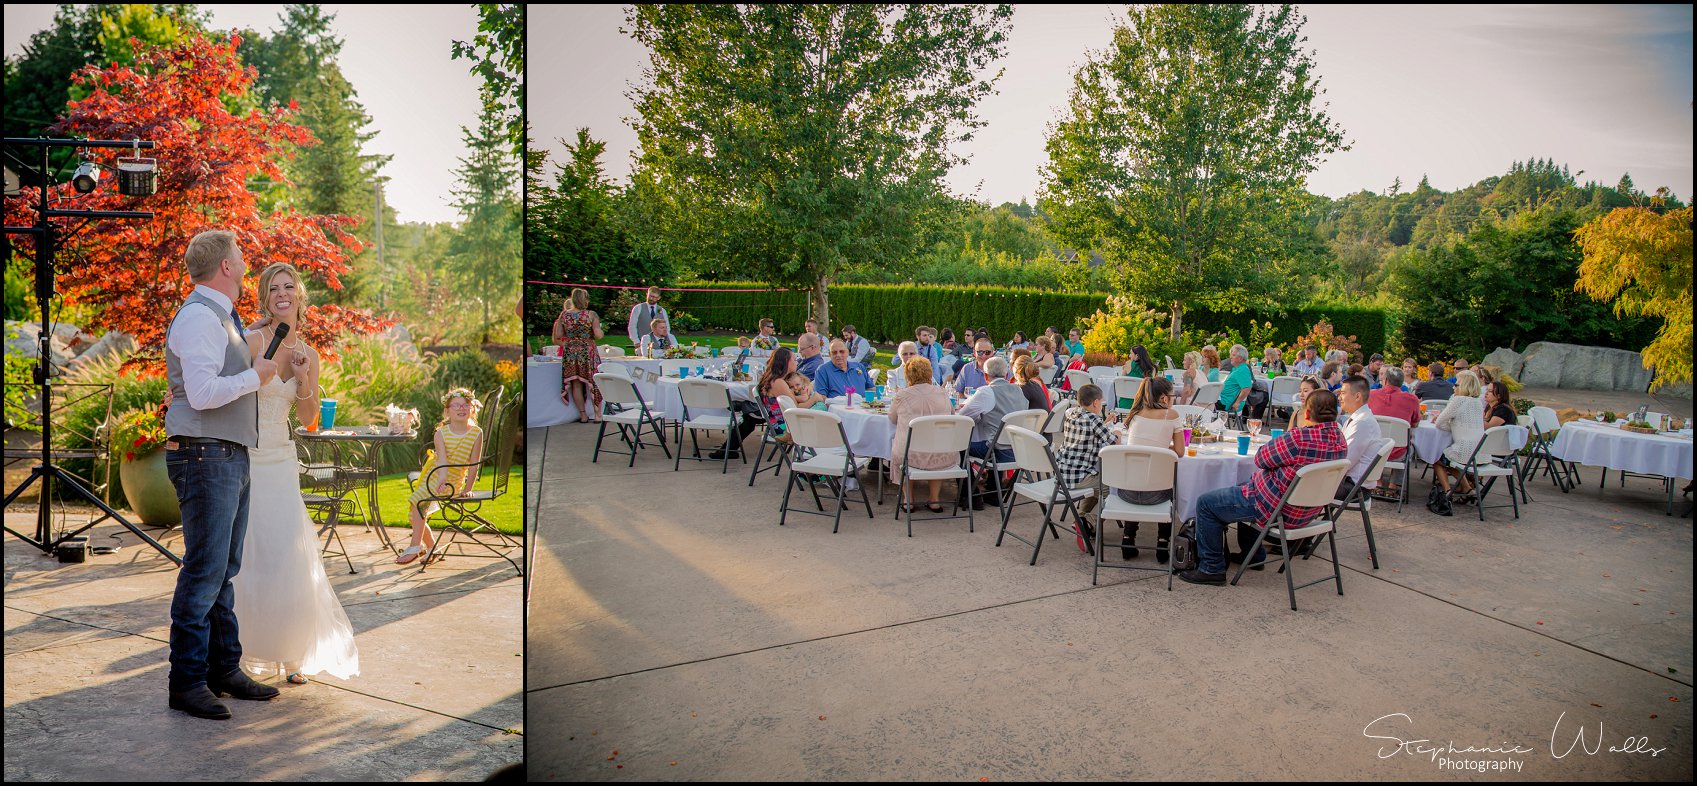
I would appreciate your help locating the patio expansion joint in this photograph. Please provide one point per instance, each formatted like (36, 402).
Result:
(323, 684)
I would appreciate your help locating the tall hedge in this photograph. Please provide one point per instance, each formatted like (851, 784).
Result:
(888, 313)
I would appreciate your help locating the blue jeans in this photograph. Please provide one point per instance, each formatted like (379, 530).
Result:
(1214, 510)
(981, 448)
(212, 489)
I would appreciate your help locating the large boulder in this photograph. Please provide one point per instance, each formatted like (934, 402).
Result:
(115, 343)
(1546, 364)
(21, 338)
(1506, 359)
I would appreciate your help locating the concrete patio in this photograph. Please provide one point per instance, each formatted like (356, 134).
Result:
(677, 633)
(440, 668)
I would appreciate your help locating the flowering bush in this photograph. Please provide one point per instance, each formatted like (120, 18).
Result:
(1123, 325)
(1322, 336)
(508, 370)
(138, 433)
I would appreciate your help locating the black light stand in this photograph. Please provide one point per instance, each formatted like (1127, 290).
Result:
(47, 237)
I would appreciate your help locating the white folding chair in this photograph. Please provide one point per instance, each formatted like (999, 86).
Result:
(821, 432)
(1033, 458)
(1103, 371)
(1396, 430)
(1026, 418)
(1313, 487)
(780, 448)
(1545, 424)
(1282, 396)
(1124, 388)
(1191, 410)
(1136, 468)
(1077, 379)
(1360, 499)
(1048, 375)
(633, 414)
(1208, 396)
(610, 351)
(1492, 448)
(937, 434)
(1434, 405)
(1057, 418)
(707, 397)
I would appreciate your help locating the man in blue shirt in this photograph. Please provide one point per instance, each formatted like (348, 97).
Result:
(1239, 381)
(1309, 363)
(807, 346)
(836, 377)
(972, 374)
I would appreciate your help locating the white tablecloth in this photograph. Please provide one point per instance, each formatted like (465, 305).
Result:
(1215, 466)
(1605, 445)
(667, 401)
(869, 433)
(542, 403)
(1429, 441)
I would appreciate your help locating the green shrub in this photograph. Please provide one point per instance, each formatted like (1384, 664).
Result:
(684, 322)
(1124, 325)
(542, 305)
(73, 428)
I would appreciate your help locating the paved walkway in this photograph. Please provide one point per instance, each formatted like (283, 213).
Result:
(676, 632)
(440, 669)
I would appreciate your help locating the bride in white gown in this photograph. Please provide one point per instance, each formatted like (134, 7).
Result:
(290, 620)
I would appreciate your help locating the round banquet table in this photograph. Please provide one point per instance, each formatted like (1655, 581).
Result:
(1215, 466)
(1608, 446)
(542, 403)
(1429, 441)
(869, 432)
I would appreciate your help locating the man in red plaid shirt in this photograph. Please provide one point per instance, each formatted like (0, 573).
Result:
(1255, 500)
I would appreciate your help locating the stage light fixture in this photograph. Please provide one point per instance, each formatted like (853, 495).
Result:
(86, 178)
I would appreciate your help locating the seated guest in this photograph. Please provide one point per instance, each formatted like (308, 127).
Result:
(838, 376)
(1331, 375)
(1485, 375)
(1139, 364)
(916, 396)
(988, 405)
(1256, 500)
(1078, 461)
(809, 360)
(1152, 423)
(1026, 377)
(859, 349)
(1374, 365)
(1194, 377)
(1054, 336)
(1310, 362)
(1304, 389)
(1355, 370)
(780, 378)
(1019, 341)
(895, 379)
(743, 343)
(1362, 433)
(1410, 374)
(1075, 347)
(821, 341)
(1043, 352)
(973, 375)
(928, 349)
(1435, 388)
(768, 338)
(659, 339)
(958, 353)
(1460, 366)
(1338, 356)
(1211, 362)
(1238, 384)
(1389, 400)
(1272, 363)
(1464, 419)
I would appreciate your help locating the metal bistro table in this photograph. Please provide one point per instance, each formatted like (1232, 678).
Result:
(357, 450)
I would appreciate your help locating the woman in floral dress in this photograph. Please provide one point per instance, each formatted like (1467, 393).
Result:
(576, 331)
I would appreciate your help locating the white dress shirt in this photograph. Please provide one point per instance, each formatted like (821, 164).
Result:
(642, 346)
(859, 350)
(981, 401)
(1361, 431)
(640, 318)
(199, 340)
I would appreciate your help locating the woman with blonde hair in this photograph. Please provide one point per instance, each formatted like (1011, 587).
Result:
(1195, 375)
(1043, 352)
(576, 331)
(1464, 418)
(920, 398)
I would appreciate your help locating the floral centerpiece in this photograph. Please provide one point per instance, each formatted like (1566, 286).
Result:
(137, 437)
(678, 351)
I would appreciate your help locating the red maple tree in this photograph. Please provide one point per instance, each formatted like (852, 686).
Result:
(132, 269)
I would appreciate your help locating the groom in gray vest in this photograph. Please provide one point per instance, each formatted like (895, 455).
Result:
(212, 421)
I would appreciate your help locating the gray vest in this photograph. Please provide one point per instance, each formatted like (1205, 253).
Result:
(237, 421)
(1009, 398)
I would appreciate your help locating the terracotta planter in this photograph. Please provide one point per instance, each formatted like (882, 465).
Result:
(148, 487)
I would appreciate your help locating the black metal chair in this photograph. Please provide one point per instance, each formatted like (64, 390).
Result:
(325, 489)
(460, 507)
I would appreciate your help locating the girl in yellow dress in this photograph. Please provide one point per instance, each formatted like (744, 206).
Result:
(459, 441)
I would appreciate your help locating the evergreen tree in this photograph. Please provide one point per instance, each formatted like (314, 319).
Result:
(484, 256)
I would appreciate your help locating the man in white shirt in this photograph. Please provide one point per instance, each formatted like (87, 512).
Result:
(1362, 433)
(642, 316)
(211, 422)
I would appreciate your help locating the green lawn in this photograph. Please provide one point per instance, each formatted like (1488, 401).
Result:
(505, 512)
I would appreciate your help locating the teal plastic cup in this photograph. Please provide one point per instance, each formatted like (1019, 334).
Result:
(327, 414)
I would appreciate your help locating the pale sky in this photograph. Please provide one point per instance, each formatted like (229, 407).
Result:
(398, 63)
(1453, 92)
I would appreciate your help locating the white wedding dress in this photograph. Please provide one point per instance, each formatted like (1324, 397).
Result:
(286, 611)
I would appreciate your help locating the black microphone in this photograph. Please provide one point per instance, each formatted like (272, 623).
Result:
(277, 339)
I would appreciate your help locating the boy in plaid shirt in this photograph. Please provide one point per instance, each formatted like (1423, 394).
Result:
(1078, 461)
(1255, 500)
